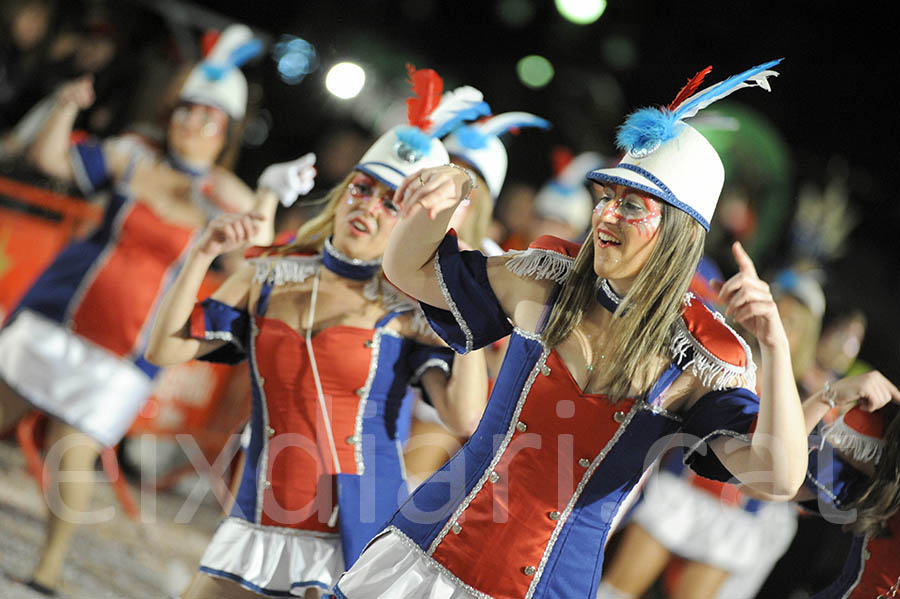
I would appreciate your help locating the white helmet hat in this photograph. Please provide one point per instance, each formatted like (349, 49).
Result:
(405, 149)
(565, 197)
(218, 81)
(479, 144)
(670, 159)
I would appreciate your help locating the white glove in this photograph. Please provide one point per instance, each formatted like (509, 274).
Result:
(289, 180)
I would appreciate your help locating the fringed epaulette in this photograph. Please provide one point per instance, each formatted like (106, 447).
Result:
(857, 433)
(547, 257)
(280, 269)
(713, 351)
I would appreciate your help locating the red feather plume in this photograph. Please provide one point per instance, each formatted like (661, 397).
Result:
(427, 87)
(560, 157)
(688, 90)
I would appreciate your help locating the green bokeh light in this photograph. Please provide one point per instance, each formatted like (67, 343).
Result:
(535, 71)
(581, 12)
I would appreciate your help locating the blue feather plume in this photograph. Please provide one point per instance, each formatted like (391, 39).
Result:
(647, 128)
(460, 117)
(416, 139)
(245, 52)
(471, 138)
(501, 123)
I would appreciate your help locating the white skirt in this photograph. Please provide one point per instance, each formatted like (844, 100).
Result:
(70, 378)
(273, 561)
(696, 525)
(393, 567)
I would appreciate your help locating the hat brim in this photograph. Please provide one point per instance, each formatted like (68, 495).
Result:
(383, 172)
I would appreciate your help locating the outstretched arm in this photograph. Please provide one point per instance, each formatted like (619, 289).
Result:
(774, 462)
(50, 151)
(169, 340)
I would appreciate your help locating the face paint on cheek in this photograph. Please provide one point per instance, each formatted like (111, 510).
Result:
(649, 223)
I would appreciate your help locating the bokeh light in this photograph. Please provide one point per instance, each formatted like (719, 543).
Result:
(345, 80)
(534, 71)
(296, 58)
(581, 12)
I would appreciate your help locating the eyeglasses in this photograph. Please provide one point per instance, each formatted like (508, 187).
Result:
(359, 191)
(212, 120)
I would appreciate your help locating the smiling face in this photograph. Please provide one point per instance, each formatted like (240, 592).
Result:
(364, 217)
(625, 229)
(197, 132)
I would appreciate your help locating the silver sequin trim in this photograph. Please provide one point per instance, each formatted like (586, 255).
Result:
(510, 431)
(223, 336)
(576, 495)
(528, 335)
(430, 363)
(609, 292)
(453, 309)
(862, 568)
(433, 563)
(721, 431)
(337, 254)
(660, 410)
(361, 408)
(824, 489)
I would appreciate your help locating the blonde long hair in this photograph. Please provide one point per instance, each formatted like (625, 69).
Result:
(312, 234)
(642, 325)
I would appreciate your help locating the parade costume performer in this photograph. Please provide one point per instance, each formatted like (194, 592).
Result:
(525, 508)
(854, 469)
(73, 347)
(333, 347)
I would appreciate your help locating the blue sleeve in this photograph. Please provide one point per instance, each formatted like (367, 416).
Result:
(730, 412)
(212, 320)
(89, 166)
(475, 318)
(423, 357)
(833, 480)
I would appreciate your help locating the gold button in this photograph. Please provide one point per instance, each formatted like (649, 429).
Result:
(529, 570)
(262, 381)
(619, 417)
(368, 343)
(493, 477)
(584, 462)
(361, 391)
(521, 426)
(351, 440)
(545, 370)
(456, 528)
(270, 431)
(267, 484)
(867, 554)
(553, 515)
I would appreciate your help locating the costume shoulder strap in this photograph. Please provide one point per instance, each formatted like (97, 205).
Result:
(715, 353)
(547, 257)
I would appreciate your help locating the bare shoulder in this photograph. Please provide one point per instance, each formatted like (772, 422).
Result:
(235, 291)
(522, 298)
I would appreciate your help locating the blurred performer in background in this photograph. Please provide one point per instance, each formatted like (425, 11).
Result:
(74, 346)
(333, 347)
(607, 356)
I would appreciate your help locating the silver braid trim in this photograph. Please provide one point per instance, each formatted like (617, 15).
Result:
(280, 270)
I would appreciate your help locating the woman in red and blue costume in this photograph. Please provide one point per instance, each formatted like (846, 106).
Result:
(333, 347)
(608, 358)
(852, 480)
(74, 346)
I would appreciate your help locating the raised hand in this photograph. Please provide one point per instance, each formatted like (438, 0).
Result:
(228, 232)
(870, 390)
(289, 180)
(434, 189)
(749, 302)
(79, 92)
